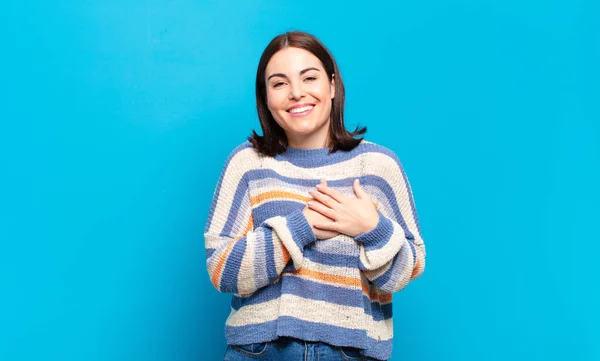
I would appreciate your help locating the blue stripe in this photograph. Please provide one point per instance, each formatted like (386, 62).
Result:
(265, 294)
(260, 332)
(213, 204)
(304, 330)
(229, 278)
(331, 259)
(402, 262)
(385, 187)
(389, 279)
(385, 277)
(334, 335)
(313, 158)
(269, 253)
(322, 292)
(316, 291)
(380, 350)
(376, 310)
(241, 195)
(289, 267)
(275, 208)
(300, 230)
(414, 252)
(378, 237)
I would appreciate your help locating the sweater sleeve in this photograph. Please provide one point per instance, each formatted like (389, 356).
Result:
(240, 258)
(393, 253)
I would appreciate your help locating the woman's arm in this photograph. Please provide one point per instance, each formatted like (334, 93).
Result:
(393, 253)
(241, 259)
(391, 248)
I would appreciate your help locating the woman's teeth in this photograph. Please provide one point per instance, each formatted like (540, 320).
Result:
(301, 110)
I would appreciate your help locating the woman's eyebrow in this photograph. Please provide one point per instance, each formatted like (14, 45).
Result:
(285, 76)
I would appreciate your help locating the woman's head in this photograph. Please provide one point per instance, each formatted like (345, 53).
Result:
(300, 95)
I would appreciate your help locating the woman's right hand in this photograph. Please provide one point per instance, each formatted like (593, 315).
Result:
(314, 217)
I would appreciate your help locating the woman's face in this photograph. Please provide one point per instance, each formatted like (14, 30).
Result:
(299, 95)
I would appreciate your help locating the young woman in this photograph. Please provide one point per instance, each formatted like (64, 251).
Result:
(310, 228)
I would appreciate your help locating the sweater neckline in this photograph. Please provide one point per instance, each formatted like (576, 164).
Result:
(309, 158)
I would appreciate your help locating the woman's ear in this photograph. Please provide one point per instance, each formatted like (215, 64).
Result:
(332, 86)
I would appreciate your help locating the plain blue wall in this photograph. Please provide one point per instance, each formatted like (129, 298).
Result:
(117, 117)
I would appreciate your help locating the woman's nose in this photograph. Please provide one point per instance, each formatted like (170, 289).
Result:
(296, 91)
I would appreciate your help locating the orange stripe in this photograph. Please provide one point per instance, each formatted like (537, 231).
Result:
(376, 296)
(215, 276)
(365, 290)
(416, 269)
(385, 298)
(250, 225)
(341, 280)
(277, 195)
(286, 255)
(217, 273)
(346, 281)
(381, 297)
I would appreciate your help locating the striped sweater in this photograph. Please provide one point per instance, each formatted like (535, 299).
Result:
(285, 282)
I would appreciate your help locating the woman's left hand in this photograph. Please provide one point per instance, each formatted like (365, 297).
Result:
(352, 216)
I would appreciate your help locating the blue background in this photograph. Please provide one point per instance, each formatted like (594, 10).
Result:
(117, 117)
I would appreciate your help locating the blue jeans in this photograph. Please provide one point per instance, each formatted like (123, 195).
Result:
(290, 349)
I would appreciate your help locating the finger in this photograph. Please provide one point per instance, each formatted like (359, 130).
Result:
(322, 234)
(327, 226)
(326, 211)
(324, 198)
(333, 193)
(358, 189)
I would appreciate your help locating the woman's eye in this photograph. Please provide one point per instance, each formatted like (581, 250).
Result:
(276, 85)
(310, 78)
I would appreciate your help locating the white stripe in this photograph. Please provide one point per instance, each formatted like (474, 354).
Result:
(378, 257)
(238, 165)
(323, 312)
(335, 315)
(253, 314)
(246, 275)
(340, 244)
(277, 246)
(387, 168)
(327, 269)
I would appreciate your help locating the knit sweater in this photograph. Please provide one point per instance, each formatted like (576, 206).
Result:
(285, 282)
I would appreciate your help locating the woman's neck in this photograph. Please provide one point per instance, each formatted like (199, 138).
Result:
(317, 140)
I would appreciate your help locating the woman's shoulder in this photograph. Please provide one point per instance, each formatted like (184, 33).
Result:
(374, 151)
(243, 155)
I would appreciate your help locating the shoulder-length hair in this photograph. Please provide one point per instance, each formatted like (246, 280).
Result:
(274, 141)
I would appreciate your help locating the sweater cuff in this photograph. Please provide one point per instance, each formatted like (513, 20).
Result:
(378, 236)
(301, 231)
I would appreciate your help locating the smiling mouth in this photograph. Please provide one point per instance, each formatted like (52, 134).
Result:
(301, 111)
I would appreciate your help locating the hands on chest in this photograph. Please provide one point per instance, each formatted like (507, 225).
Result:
(331, 213)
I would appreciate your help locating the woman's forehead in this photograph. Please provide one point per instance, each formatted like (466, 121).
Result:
(292, 60)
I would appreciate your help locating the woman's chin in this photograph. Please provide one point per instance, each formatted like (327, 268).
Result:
(303, 129)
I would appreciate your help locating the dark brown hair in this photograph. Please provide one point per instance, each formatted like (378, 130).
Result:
(274, 141)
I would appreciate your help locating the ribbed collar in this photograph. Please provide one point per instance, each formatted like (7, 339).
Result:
(311, 158)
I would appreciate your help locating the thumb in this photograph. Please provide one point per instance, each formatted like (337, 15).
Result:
(358, 189)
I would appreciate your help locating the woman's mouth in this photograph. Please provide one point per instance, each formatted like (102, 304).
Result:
(301, 111)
